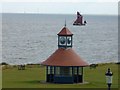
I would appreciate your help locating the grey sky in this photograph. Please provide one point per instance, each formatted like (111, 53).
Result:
(109, 8)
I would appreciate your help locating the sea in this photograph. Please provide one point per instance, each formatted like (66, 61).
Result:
(32, 38)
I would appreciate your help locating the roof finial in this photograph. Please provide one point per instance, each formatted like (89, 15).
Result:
(65, 22)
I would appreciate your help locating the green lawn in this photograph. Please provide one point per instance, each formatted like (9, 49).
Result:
(35, 78)
(0, 78)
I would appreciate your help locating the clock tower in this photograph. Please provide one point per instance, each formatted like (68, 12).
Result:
(64, 65)
(65, 38)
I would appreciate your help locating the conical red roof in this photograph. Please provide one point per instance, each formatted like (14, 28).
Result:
(65, 31)
(64, 57)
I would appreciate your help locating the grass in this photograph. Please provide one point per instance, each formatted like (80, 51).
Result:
(35, 78)
(0, 77)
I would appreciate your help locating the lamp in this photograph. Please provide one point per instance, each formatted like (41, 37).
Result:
(109, 75)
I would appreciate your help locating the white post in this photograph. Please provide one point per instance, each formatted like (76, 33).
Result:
(109, 75)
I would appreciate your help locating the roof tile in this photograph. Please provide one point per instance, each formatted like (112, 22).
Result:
(65, 31)
(64, 57)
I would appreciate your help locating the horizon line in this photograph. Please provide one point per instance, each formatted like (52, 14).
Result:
(54, 13)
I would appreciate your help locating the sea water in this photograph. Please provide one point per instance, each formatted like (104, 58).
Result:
(32, 38)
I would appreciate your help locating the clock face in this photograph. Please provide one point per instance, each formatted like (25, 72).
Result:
(62, 40)
(68, 41)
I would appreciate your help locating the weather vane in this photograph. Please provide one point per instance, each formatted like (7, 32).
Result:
(65, 22)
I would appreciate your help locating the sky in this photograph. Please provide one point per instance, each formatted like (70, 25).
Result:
(104, 7)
